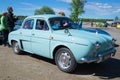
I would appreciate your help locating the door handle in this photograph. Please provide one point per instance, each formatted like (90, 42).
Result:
(33, 34)
(20, 32)
(51, 38)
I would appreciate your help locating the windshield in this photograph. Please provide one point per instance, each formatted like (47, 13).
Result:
(60, 23)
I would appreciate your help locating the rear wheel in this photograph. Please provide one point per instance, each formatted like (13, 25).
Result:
(16, 48)
(65, 60)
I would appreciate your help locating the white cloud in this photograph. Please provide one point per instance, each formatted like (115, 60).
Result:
(101, 5)
(29, 6)
(104, 6)
(68, 1)
(98, 5)
(91, 6)
(99, 8)
(59, 9)
(66, 11)
(117, 11)
(27, 9)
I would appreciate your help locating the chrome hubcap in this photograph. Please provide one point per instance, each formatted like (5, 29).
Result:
(64, 60)
(16, 47)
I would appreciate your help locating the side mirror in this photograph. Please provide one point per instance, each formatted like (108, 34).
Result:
(80, 24)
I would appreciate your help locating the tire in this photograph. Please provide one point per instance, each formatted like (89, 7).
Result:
(15, 47)
(65, 60)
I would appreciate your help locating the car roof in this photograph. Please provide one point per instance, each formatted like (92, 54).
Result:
(45, 16)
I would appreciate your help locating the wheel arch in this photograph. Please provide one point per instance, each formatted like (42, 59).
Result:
(19, 42)
(56, 48)
(11, 42)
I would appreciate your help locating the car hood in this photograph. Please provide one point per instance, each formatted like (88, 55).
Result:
(92, 35)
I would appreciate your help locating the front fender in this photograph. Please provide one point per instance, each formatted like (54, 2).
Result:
(78, 50)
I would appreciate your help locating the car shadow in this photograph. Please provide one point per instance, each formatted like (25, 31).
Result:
(116, 45)
(0, 42)
(108, 69)
(40, 57)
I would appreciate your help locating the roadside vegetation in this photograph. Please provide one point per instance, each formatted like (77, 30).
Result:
(44, 10)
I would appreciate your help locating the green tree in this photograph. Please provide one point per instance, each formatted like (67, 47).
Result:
(76, 8)
(44, 10)
(0, 18)
(22, 17)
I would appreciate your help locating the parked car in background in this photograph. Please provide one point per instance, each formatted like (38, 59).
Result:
(18, 24)
(110, 23)
(118, 26)
(99, 24)
(46, 35)
(115, 23)
(102, 24)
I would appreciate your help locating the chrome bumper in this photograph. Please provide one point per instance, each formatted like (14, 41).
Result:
(100, 57)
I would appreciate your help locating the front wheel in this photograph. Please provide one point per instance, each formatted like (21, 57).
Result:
(65, 60)
(16, 48)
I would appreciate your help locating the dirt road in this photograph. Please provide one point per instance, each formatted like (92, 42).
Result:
(33, 67)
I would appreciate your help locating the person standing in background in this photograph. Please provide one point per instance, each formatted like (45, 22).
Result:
(10, 19)
(4, 29)
(61, 13)
(91, 24)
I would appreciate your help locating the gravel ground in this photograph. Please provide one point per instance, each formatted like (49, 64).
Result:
(33, 67)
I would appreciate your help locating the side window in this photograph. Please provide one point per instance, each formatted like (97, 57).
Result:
(28, 24)
(41, 25)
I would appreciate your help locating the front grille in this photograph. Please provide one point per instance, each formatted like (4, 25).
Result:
(107, 45)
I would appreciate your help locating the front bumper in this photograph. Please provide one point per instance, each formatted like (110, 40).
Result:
(100, 57)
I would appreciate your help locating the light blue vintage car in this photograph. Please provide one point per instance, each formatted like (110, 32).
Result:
(59, 38)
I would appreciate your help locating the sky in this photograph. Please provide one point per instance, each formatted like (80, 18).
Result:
(97, 9)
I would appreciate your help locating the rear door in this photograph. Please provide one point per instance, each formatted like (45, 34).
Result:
(41, 38)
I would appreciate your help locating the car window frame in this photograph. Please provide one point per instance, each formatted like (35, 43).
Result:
(45, 24)
(61, 19)
(30, 28)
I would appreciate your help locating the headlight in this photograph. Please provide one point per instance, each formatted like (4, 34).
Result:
(113, 41)
(97, 45)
